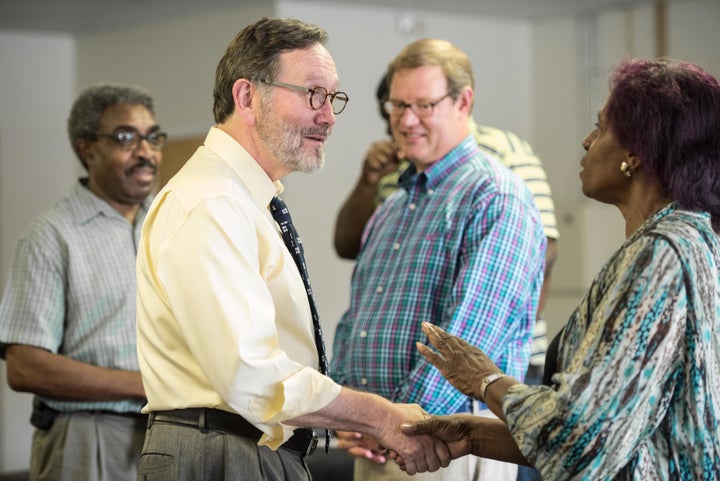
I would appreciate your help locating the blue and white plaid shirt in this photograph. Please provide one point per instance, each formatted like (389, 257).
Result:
(461, 245)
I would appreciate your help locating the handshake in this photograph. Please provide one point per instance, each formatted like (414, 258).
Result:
(419, 442)
(416, 441)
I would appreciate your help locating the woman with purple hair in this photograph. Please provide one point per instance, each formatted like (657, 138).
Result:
(633, 390)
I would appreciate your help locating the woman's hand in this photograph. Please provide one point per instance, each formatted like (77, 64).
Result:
(461, 363)
(455, 430)
(468, 434)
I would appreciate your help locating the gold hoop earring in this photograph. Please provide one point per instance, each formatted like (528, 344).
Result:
(625, 168)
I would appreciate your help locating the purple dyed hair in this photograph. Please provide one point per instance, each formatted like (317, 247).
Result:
(667, 113)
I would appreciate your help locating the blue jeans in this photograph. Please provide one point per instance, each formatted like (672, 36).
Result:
(526, 473)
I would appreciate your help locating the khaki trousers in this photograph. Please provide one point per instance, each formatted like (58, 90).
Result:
(88, 446)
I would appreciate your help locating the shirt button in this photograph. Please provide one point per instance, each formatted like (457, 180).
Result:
(363, 381)
(430, 191)
(363, 333)
(396, 246)
(379, 289)
(411, 207)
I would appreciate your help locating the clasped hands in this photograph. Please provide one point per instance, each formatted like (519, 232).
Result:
(416, 451)
(443, 437)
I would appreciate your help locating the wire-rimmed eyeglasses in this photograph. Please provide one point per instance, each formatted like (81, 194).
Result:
(318, 95)
(421, 109)
(130, 139)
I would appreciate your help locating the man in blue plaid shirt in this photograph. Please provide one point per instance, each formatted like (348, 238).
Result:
(460, 244)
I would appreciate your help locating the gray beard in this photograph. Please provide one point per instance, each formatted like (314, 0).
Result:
(286, 145)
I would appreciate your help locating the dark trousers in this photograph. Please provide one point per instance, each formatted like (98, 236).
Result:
(185, 453)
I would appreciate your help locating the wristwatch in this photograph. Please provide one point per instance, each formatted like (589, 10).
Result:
(486, 381)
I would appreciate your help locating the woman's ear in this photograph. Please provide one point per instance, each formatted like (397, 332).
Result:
(633, 161)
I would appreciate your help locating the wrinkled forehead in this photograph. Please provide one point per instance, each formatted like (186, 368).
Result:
(307, 65)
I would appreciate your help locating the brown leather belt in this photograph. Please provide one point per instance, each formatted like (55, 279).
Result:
(304, 441)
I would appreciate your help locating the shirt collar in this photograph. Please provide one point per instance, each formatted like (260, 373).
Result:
(440, 170)
(261, 187)
(87, 205)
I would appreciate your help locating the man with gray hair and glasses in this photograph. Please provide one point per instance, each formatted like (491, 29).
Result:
(67, 317)
(229, 340)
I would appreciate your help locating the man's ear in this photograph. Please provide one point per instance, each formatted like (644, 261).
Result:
(243, 92)
(83, 147)
(465, 100)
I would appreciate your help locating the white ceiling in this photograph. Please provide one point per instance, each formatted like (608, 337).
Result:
(82, 16)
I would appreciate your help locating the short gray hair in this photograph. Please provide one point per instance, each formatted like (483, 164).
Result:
(88, 108)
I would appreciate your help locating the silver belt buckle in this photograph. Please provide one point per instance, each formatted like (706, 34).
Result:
(312, 445)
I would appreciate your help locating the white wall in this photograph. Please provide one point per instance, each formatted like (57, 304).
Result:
(36, 168)
(572, 58)
(693, 32)
(361, 58)
(175, 60)
(188, 50)
(544, 80)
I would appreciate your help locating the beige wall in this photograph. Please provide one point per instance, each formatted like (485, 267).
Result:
(543, 79)
(190, 49)
(572, 57)
(502, 98)
(36, 167)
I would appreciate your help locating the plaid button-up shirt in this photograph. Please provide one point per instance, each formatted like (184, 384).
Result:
(461, 245)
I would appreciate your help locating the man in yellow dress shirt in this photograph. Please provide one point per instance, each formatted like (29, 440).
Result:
(226, 340)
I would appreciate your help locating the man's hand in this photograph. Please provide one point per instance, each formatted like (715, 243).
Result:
(381, 419)
(361, 446)
(468, 434)
(419, 453)
(381, 159)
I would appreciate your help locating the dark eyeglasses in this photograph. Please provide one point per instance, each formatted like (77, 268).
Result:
(130, 139)
(421, 109)
(318, 95)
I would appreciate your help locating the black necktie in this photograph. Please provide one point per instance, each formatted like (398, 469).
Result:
(292, 241)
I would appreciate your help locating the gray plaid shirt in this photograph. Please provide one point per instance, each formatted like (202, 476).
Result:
(71, 288)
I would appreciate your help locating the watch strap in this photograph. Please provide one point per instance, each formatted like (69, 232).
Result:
(487, 381)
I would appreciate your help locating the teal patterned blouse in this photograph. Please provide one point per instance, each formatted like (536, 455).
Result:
(637, 389)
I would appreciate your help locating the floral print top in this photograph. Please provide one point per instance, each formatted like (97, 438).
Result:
(636, 394)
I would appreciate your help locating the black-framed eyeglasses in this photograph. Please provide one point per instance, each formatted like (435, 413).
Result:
(130, 139)
(420, 109)
(318, 95)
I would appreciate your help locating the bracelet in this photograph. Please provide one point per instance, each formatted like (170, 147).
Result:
(486, 381)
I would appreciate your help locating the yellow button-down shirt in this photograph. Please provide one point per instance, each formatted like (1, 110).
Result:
(223, 316)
